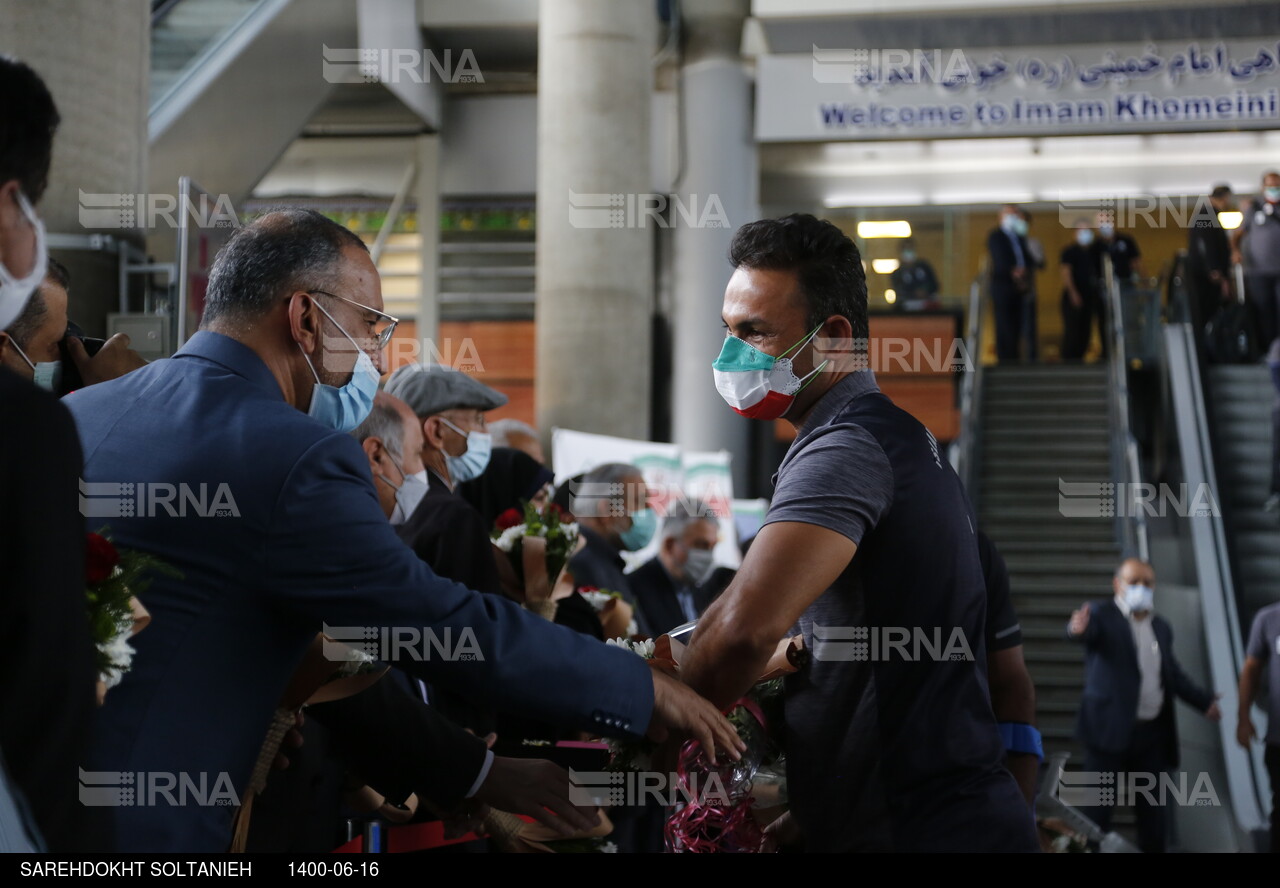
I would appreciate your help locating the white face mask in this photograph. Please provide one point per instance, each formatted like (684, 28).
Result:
(14, 291)
(1139, 598)
(410, 492)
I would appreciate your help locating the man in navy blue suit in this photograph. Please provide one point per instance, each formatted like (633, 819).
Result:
(1126, 719)
(670, 586)
(232, 463)
(1012, 267)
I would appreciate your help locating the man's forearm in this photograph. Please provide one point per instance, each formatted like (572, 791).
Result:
(722, 668)
(1248, 690)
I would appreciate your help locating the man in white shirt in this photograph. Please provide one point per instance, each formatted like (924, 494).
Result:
(1126, 719)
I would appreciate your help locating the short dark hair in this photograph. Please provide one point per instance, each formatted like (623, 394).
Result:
(28, 120)
(1220, 191)
(683, 513)
(32, 319)
(286, 249)
(57, 272)
(826, 263)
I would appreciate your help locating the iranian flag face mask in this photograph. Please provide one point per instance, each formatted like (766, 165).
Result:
(757, 385)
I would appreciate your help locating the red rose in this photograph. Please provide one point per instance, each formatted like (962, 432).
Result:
(559, 512)
(583, 590)
(101, 558)
(510, 518)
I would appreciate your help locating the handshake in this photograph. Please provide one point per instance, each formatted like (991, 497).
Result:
(540, 789)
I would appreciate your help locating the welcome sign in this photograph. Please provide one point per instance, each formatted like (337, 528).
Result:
(911, 93)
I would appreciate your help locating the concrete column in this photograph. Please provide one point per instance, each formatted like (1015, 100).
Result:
(594, 260)
(719, 173)
(96, 60)
(427, 190)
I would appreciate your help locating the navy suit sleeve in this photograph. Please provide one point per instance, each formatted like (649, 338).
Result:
(1185, 689)
(1092, 633)
(398, 744)
(332, 556)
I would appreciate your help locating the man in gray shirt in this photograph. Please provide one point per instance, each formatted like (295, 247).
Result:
(1264, 650)
(1260, 230)
(868, 548)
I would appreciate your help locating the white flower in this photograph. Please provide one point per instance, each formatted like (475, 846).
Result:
(120, 653)
(507, 541)
(597, 599)
(633, 628)
(608, 848)
(641, 648)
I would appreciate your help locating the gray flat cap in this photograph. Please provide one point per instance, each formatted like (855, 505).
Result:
(429, 389)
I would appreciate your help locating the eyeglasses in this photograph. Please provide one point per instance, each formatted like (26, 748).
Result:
(383, 336)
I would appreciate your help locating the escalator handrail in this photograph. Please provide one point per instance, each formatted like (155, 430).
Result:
(1126, 467)
(205, 66)
(1224, 643)
(971, 391)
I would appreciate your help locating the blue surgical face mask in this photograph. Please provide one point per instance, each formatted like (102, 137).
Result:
(1084, 237)
(644, 524)
(472, 463)
(47, 374)
(344, 408)
(1272, 194)
(1139, 598)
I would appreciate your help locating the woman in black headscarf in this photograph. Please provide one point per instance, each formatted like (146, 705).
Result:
(511, 476)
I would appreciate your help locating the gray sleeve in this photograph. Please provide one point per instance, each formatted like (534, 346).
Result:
(1258, 647)
(840, 479)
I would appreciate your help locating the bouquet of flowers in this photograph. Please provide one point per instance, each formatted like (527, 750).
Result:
(719, 801)
(558, 537)
(616, 615)
(113, 580)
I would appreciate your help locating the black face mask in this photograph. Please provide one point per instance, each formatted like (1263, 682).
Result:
(71, 379)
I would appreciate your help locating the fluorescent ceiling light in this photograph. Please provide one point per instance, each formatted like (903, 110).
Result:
(884, 266)
(1231, 219)
(870, 199)
(996, 195)
(896, 228)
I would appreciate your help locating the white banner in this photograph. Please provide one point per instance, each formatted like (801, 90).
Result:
(862, 93)
(669, 474)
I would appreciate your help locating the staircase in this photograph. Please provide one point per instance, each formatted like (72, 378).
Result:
(1042, 424)
(1239, 409)
(183, 32)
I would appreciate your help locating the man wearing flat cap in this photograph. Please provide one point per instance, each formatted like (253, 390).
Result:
(446, 531)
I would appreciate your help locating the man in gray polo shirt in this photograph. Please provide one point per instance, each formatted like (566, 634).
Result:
(1260, 231)
(891, 744)
(1264, 650)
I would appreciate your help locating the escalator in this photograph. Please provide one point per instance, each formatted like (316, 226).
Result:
(1239, 399)
(1022, 425)
(224, 69)
(1221, 445)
